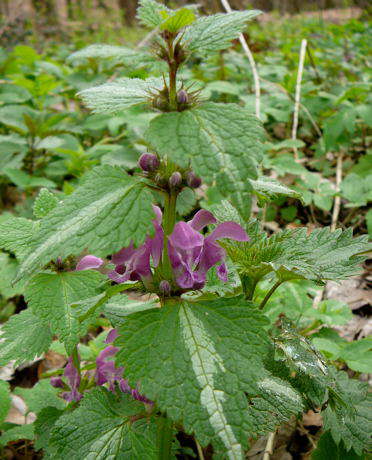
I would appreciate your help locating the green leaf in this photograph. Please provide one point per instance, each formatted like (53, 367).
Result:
(105, 213)
(357, 189)
(16, 234)
(119, 94)
(8, 270)
(150, 12)
(40, 396)
(199, 361)
(350, 421)
(44, 424)
(26, 181)
(5, 401)
(103, 427)
(358, 355)
(267, 188)
(24, 337)
(50, 296)
(99, 51)
(293, 254)
(327, 449)
(44, 203)
(120, 306)
(221, 141)
(179, 19)
(186, 201)
(331, 311)
(215, 32)
(17, 433)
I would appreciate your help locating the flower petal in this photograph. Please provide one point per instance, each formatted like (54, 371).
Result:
(228, 230)
(222, 272)
(201, 219)
(185, 237)
(88, 262)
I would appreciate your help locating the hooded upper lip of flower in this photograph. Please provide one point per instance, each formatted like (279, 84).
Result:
(191, 254)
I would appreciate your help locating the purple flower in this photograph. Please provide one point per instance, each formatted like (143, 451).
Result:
(73, 378)
(135, 264)
(57, 382)
(106, 371)
(192, 255)
(148, 162)
(111, 336)
(89, 262)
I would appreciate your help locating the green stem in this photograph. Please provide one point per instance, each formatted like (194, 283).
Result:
(173, 68)
(269, 294)
(76, 360)
(169, 220)
(164, 438)
(249, 285)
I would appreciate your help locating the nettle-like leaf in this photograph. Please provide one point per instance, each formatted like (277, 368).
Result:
(5, 401)
(294, 254)
(105, 426)
(221, 141)
(150, 13)
(24, 337)
(8, 270)
(120, 306)
(105, 213)
(179, 19)
(327, 449)
(199, 361)
(17, 433)
(267, 188)
(213, 33)
(40, 396)
(44, 203)
(119, 94)
(349, 418)
(16, 234)
(101, 51)
(51, 295)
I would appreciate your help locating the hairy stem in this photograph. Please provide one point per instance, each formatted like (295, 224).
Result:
(76, 360)
(269, 294)
(249, 285)
(169, 220)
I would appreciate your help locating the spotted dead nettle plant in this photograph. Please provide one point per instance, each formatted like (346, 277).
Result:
(199, 355)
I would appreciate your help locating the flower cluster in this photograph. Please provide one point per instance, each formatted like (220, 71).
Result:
(191, 254)
(106, 373)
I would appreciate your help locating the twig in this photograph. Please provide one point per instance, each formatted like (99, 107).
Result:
(298, 94)
(269, 446)
(337, 203)
(252, 63)
(200, 450)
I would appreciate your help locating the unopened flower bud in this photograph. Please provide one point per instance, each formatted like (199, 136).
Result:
(193, 180)
(165, 287)
(182, 97)
(175, 179)
(57, 382)
(148, 162)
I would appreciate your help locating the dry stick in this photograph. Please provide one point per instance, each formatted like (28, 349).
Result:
(269, 446)
(337, 203)
(298, 94)
(252, 63)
